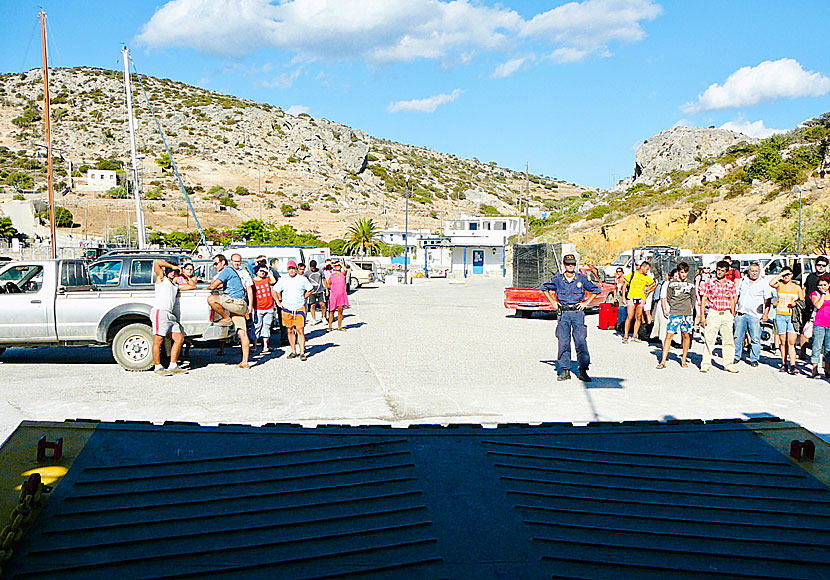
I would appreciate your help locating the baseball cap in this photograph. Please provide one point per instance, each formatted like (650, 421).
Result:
(569, 259)
(291, 264)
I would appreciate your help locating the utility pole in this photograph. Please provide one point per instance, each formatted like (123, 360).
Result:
(406, 234)
(139, 215)
(527, 198)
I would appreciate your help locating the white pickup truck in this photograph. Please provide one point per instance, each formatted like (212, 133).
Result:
(54, 303)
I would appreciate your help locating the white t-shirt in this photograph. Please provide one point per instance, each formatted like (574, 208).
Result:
(247, 281)
(751, 296)
(293, 289)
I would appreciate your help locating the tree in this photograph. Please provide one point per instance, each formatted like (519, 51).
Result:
(111, 164)
(20, 180)
(361, 237)
(255, 231)
(164, 162)
(7, 230)
(63, 217)
(337, 247)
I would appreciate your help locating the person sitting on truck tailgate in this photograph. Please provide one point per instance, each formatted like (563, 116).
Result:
(292, 292)
(570, 289)
(163, 316)
(639, 286)
(230, 305)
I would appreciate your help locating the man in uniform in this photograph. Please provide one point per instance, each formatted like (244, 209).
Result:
(567, 293)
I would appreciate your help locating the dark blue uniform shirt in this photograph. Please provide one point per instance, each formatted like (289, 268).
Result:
(573, 292)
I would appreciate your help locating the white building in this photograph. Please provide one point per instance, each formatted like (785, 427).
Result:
(99, 180)
(397, 236)
(472, 245)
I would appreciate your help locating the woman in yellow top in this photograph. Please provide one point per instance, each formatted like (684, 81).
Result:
(638, 286)
(788, 293)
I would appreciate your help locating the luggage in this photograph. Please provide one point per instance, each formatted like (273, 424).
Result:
(622, 314)
(607, 316)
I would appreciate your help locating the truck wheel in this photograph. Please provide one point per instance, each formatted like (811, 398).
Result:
(354, 284)
(2, 350)
(525, 313)
(132, 347)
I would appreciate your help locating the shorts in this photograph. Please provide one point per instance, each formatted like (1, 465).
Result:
(234, 305)
(679, 323)
(262, 322)
(635, 302)
(317, 298)
(293, 318)
(164, 322)
(784, 324)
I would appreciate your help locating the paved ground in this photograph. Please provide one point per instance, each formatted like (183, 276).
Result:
(434, 352)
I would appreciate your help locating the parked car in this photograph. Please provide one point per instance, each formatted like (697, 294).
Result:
(55, 303)
(362, 272)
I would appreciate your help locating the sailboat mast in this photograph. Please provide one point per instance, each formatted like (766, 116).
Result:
(46, 116)
(141, 234)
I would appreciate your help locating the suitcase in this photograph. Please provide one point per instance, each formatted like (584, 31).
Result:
(607, 316)
(622, 314)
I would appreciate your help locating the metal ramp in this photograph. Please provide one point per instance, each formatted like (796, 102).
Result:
(630, 500)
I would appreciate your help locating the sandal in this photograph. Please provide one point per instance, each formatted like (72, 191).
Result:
(244, 365)
(661, 366)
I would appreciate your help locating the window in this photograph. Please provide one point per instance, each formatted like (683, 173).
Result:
(501, 226)
(487, 225)
(74, 274)
(141, 272)
(106, 273)
(21, 279)
(473, 226)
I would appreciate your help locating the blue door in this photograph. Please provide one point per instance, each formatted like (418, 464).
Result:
(478, 261)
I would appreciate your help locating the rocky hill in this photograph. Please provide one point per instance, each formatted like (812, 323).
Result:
(240, 160)
(711, 191)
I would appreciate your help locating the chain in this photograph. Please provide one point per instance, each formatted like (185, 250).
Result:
(31, 495)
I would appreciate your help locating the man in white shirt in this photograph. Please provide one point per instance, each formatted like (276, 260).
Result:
(292, 292)
(754, 299)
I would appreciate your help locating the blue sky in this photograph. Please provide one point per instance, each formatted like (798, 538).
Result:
(572, 88)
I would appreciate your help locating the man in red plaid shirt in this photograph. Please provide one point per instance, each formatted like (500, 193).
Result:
(719, 298)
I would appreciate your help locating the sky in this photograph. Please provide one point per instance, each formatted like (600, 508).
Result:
(570, 88)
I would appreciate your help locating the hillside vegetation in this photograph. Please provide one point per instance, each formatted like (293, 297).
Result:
(241, 159)
(741, 200)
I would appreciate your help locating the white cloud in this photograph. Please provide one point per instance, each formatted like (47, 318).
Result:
(427, 105)
(506, 69)
(769, 80)
(582, 29)
(682, 123)
(297, 109)
(751, 129)
(375, 30)
(384, 31)
(284, 80)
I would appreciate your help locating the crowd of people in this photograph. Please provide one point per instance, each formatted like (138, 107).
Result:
(732, 307)
(247, 297)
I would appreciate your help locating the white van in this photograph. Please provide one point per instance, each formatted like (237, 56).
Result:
(643, 253)
(300, 254)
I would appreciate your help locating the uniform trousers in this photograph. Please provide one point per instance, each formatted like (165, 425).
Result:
(572, 323)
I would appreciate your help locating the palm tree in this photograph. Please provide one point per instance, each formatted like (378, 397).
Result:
(361, 237)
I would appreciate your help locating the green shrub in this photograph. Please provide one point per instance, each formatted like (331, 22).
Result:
(305, 206)
(288, 210)
(737, 189)
(154, 194)
(488, 210)
(111, 164)
(117, 193)
(20, 180)
(598, 212)
(63, 217)
(227, 201)
(242, 190)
